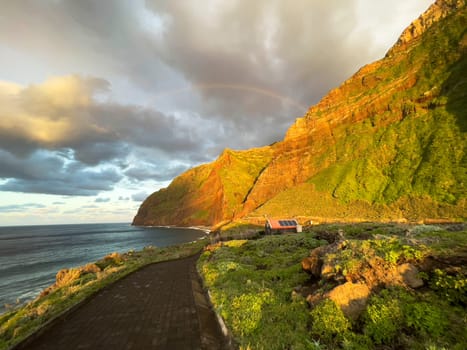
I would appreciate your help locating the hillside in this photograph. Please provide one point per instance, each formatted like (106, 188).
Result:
(388, 144)
(207, 194)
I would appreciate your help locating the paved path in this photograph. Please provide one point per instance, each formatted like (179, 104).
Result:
(161, 306)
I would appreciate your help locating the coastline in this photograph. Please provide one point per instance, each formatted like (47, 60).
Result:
(31, 256)
(76, 285)
(205, 229)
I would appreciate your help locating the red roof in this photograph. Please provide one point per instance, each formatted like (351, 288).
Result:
(282, 224)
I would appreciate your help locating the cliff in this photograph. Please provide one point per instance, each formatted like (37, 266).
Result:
(207, 194)
(388, 144)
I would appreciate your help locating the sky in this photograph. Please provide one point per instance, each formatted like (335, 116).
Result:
(104, 102)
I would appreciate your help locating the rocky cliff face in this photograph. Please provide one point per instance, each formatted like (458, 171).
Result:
(389, 143)
(207, 194)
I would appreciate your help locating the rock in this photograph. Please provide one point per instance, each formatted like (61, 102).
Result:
(327, 271)
(314, 299)
(409, 274)
(351, 298)
(313, 263)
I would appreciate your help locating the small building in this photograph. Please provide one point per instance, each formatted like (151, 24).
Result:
(281, 225)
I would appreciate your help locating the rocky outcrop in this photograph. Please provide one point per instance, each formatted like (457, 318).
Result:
(351, 270)
(439, 10)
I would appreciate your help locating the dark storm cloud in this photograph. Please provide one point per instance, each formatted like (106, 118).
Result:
(45, 172)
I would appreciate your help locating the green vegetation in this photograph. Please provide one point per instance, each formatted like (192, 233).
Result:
(237, 229)
(424, 319)
(416, 161)
(259, 288)
(251, 283)
(305, 200)
(75, 285)
(453, 287)
(240, 174)
(328, 322)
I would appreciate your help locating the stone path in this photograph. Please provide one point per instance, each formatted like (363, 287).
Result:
(161, 306)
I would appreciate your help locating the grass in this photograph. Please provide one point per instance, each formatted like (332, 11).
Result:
(253, 284)
(75, 285)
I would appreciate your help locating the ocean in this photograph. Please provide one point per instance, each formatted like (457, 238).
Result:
(31, 256)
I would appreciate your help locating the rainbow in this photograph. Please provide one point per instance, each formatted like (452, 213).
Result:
(245, 88)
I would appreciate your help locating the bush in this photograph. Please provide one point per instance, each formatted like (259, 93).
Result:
(453, 287)
(396, 311)
(247, 311)
(426, 319)
(328, 321)
(383, 318)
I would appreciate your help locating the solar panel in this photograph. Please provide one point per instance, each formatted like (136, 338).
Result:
(287, 223)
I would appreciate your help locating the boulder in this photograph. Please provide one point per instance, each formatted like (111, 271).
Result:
(351, 298)
(312, 264)
(409, 274)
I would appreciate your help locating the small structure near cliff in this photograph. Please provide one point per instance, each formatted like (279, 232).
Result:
(281, 225)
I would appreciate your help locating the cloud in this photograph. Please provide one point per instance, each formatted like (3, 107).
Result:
(63, 113)
(18, 208)
(242, 66)
(80, 146)
(89, 206)
(256, 59)
(133, 90)
(139, 197)
(102, 200)
(47, 172)
(147, 171)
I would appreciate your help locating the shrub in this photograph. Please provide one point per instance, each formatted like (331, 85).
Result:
(425, 318)
(328, 321)
(247, 311)
(383, 318)
(453, 287)
(111, 260)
